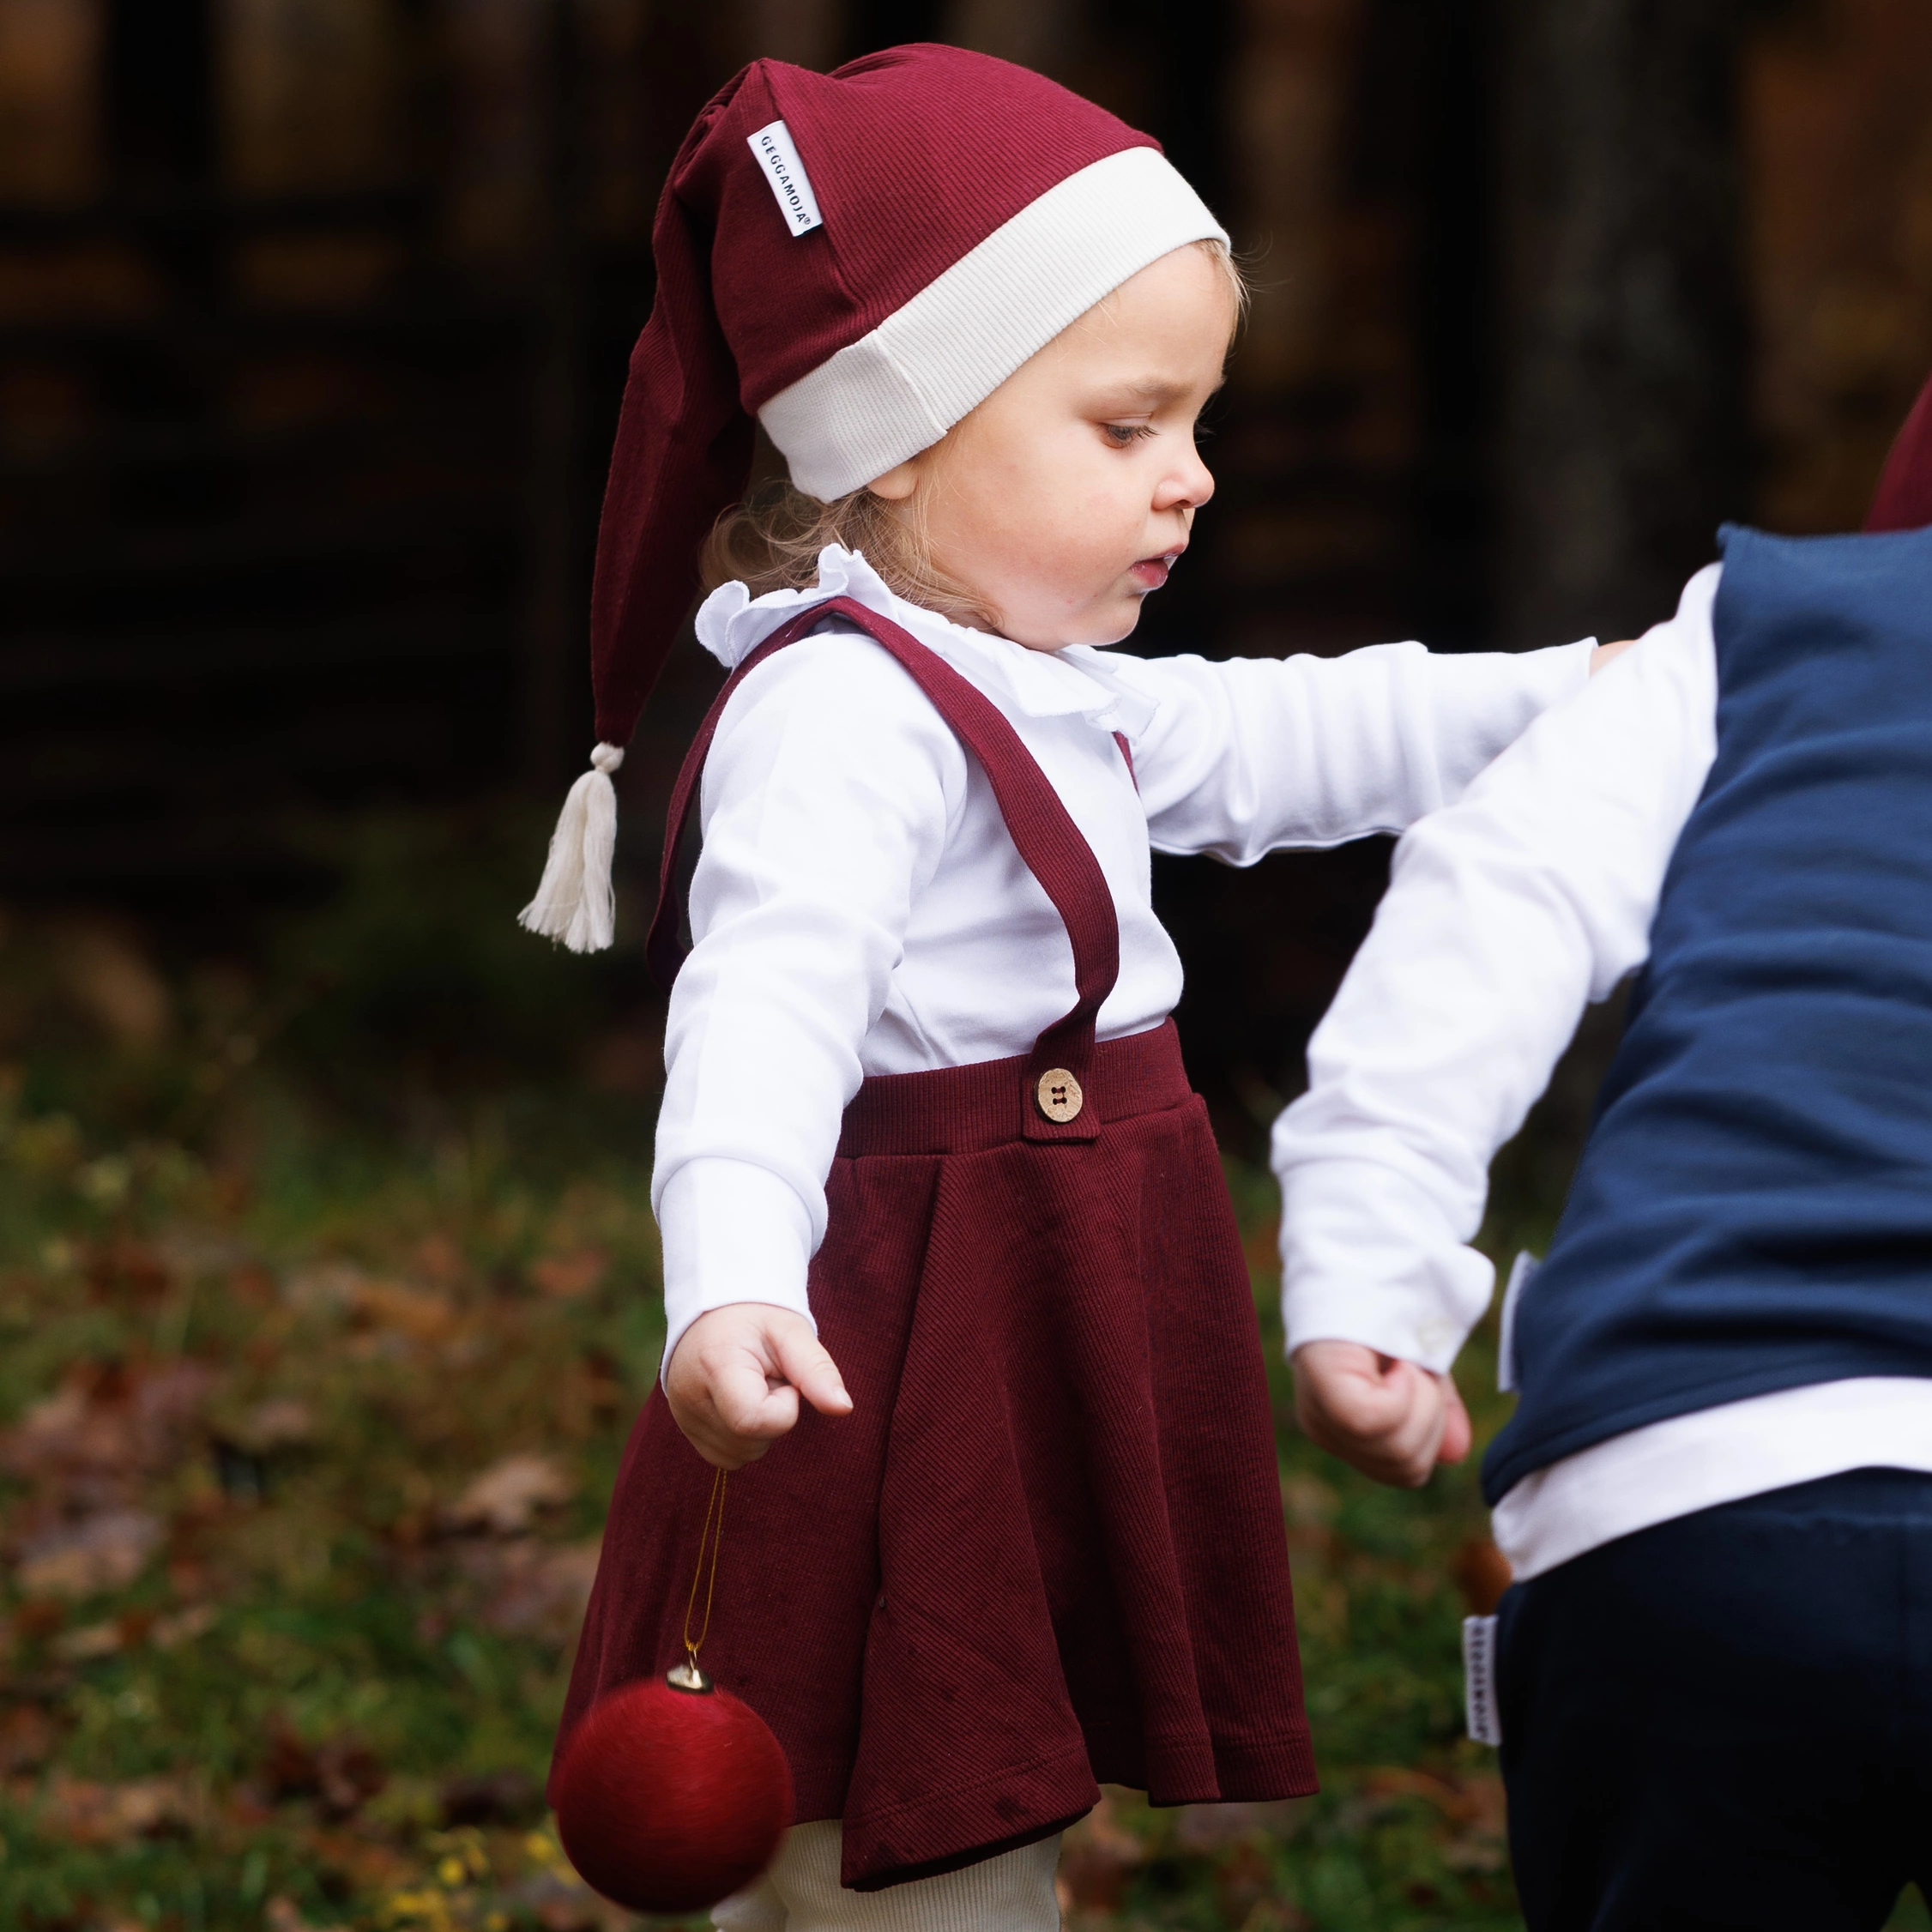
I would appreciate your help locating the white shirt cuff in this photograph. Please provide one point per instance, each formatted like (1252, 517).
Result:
(731, 1232)
(1366, 1257)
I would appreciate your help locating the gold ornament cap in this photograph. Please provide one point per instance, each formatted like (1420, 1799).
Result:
(686, 1676)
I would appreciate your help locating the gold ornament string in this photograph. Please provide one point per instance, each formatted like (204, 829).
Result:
(713, 1531)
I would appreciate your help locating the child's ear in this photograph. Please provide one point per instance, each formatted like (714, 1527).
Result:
(898, 483)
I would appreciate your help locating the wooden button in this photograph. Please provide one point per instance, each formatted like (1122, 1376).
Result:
(1060, 1096)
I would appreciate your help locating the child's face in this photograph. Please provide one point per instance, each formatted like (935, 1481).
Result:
(1066, 497)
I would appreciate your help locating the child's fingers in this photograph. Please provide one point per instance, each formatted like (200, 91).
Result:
(1409, 1447)
(1384, 1415)
(717, 1445)
(804, 1364)
(735, 1379)
(747, 1400)
(1458, 1435)
(1353, 1387)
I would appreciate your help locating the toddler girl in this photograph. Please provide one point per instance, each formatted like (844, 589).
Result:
(928, 1156)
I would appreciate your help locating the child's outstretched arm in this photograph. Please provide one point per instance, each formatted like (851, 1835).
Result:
(1246, 757)
(1506, 914)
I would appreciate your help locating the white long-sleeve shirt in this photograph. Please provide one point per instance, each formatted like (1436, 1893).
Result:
(1506, 915)
(858, 909)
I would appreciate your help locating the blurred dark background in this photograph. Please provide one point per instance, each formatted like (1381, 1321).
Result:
(314, 315)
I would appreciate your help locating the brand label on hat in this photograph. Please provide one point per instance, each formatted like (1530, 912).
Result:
(786, 173)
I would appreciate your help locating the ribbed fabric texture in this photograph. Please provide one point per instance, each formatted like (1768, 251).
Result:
(915, 156)
(1904, 497)
(1045, 1550)
(898, 391)
(801, 1892)
(969, 1109)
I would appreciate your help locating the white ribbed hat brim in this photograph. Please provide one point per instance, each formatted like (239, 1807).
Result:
(899, 389)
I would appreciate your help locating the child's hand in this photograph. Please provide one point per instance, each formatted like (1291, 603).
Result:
(734, 1383)
(1391, 1419)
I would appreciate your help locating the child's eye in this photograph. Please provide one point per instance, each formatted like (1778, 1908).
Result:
(1121, 434)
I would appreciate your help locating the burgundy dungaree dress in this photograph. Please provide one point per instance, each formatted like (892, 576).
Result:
(1046, 1548)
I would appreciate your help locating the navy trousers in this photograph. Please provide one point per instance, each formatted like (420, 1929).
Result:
(1726, 1720)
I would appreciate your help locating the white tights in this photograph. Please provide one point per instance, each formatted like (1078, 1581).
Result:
(1013, 1893)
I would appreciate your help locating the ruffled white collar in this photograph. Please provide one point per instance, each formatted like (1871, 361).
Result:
(732, 624)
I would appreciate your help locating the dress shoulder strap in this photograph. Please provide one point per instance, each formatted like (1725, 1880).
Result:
(1040, 827)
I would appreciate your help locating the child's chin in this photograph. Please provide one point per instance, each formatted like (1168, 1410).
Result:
(1117, 624)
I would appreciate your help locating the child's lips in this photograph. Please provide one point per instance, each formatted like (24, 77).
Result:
(1151, 572)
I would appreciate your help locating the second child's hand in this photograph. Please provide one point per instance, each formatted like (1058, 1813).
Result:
(734, 1383)
(1391, 1419)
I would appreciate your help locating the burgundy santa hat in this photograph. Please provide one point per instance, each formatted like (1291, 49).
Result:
(856, 260)
(1904, 500)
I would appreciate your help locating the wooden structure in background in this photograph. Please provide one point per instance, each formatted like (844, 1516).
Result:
(297, 485)
(314, 316)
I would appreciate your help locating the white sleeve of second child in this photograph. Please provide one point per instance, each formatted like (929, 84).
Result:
(826, 800)
(1506, 914)
(1246, 757)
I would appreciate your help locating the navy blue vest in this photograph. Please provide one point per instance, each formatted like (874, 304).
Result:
(1754, 1208)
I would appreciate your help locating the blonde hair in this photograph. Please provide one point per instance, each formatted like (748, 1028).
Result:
(771, 540)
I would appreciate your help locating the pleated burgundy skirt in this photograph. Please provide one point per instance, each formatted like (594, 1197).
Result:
(1046, 1548)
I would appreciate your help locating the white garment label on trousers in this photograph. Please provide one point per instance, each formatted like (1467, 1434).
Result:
(786, 173)
(1479, 1679)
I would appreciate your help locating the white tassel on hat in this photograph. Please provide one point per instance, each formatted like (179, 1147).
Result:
(575, 902)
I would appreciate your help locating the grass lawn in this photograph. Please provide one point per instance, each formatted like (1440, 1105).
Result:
(328, 1293)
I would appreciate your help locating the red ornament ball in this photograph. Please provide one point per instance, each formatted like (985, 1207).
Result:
(669, 1800)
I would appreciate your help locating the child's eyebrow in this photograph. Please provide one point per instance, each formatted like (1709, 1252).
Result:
(1151, 390)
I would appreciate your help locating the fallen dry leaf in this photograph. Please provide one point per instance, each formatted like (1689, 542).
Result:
(1096, 1857)
(357, 1860)
(440, 1257)
(421, 1314)
(280, 1422)
(85, 1812)
(28, 1737)
(282, 1914)
(564, 1277)
(87, 1445)
(507, 1497)
(91, 1557)
(123, 1267)
(91, 1640)
(341, 1772)
(323, 1287)
(1208, 1828)
(497, 1798)
(561, 1902)
(1243, 1884)
(1481, 1573)
(1275, 1915)
(183, 1627)
(111, 981)
(529, 1589)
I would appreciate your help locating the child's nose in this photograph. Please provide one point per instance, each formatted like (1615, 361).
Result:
(1187, 487)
